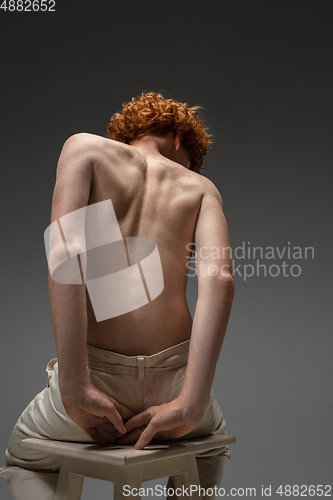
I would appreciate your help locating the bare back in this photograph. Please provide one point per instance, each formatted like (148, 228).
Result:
(158, 199)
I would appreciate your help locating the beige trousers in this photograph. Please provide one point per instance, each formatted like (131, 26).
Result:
(137, 382)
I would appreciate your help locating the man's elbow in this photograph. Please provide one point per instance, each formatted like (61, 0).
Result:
(228, 283)
(222, 283)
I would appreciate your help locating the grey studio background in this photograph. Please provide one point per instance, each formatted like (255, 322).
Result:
(262, 70)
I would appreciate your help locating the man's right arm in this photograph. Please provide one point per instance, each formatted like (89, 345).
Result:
(215, 295)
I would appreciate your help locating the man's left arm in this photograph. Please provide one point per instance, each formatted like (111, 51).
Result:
(88, 407)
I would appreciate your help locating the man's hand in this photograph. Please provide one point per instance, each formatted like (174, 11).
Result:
(167, 421)
(93, 409)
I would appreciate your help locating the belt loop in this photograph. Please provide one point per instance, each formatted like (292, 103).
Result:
(141, 368)
(50, 369)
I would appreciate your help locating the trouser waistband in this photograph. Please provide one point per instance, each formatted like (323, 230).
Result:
(174, 355)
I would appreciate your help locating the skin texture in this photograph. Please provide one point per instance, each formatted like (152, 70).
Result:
(156, 196)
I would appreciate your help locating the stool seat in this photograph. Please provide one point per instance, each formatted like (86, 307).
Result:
(124, 465)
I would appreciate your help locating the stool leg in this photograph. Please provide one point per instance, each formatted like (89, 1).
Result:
(118, 490)
(187, 478)
(130, 477)
(192, 471)
(69, 485)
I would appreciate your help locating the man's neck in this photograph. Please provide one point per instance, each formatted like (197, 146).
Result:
(159, 146)
(150, 146)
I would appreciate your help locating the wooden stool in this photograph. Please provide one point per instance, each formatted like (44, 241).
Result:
(124, 465)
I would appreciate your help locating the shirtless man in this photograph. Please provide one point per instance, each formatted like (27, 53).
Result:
(157, 192)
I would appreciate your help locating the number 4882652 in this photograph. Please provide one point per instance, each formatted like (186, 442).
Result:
(28, 5)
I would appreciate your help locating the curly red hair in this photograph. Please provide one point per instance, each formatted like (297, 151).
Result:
(151, 113)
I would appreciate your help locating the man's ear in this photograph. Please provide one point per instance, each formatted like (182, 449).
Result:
(177, 140)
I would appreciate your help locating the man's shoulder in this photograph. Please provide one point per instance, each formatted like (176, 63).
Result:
(208, 188)
(84, 141)
(102, 152)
